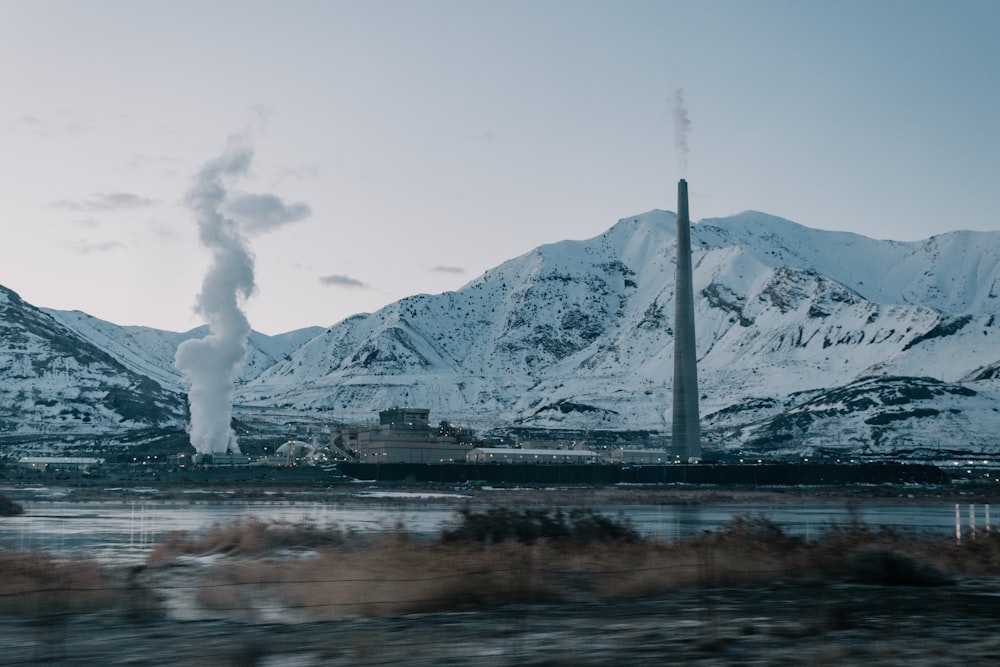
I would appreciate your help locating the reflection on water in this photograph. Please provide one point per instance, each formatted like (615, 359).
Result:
(672, 522)
(124, 531)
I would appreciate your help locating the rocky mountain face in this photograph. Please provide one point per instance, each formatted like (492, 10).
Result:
(150, 352)
(578, 334)
(56, 384)
(809, 342)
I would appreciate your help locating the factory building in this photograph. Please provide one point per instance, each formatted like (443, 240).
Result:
(80, 464)
(640, 456)
(403, 435)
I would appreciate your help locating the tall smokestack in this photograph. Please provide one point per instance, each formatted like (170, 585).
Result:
(686, 423)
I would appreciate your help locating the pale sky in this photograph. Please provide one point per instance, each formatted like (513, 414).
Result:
(430, 140)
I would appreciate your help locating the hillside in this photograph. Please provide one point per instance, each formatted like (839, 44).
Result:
(54, 384)
(808, 342)
(578, 334)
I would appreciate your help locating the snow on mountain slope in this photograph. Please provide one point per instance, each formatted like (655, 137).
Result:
(54, 381)
(151, 351)
(890, 416)
(957, 272)
(793, 325)
(579, 333)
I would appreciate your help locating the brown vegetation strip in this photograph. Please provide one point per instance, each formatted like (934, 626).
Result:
(486, 560)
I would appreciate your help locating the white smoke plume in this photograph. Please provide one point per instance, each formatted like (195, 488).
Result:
(682, 127)
(257, 214)
(211, 363)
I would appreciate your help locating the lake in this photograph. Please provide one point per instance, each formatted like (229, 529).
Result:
(123, 531)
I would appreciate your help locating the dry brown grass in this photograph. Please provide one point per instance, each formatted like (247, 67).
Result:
(246, 537)
(396, 575)
(33, 584)
(389, 576)
(571, 557)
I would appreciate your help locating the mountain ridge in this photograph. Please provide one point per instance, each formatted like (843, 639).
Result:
(578, 334)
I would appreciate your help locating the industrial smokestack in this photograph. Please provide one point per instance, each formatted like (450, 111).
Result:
(686, 422)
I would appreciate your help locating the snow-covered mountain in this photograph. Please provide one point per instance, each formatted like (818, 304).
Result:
(808, 341)
(151, 351)
(579, 334)
(53, 382)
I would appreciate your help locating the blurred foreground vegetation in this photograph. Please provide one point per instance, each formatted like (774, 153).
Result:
(248, 569)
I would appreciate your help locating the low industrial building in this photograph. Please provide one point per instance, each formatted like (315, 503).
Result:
(640, 456)
(403, 435)
(513, 455)
(80, 464)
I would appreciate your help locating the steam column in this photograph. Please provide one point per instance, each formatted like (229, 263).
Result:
(686, 422)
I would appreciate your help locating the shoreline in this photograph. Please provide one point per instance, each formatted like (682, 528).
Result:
(593, 496)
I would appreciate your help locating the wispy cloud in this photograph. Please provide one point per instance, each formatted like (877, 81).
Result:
(262, 213)
(261, 113)
(335, 280)
(302, 172)
(142, 161)
(84, 248)
(162, 230)
(448, 269)
(76, 129)
(105, 201)
(27, 124)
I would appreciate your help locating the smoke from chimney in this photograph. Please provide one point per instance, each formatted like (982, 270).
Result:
(211, 363)
(682, 126)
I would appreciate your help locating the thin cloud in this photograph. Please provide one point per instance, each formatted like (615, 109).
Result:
(335, 280)
(261, 114)
(76, 129)
(142, 161)
(105, 201)
(162, 230)
(90, 248)
(302, 172)
(262, 213)
(29, 125)
(448, 269)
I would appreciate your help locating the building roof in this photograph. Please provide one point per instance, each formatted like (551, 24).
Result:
(74, 460)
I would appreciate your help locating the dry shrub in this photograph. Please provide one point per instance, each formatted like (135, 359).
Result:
(543, 558)
(876, 565)
(391, 576)
(974, 556)
(835, 552)
(249, 536)
(580, 526)
(33, 584)
(978, 554)
(606, 571)
(9, 508)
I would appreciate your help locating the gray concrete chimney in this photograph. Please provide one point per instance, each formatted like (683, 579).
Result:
(686, 422)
